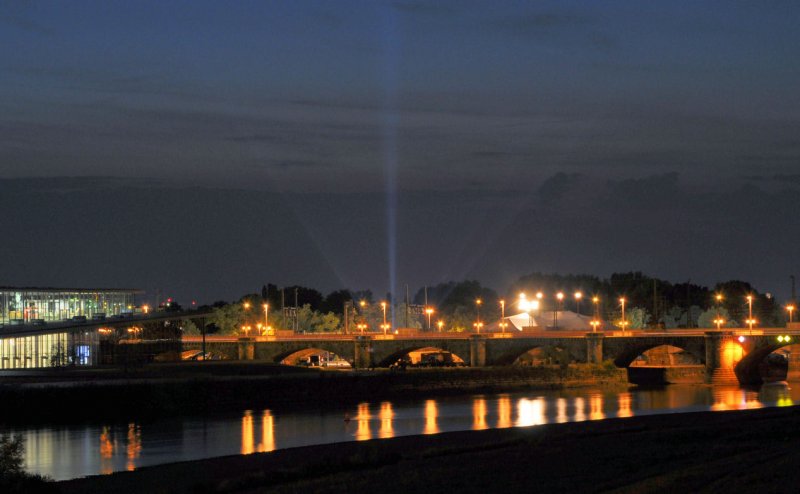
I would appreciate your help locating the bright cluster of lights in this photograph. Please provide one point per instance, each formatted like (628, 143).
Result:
(784, 339)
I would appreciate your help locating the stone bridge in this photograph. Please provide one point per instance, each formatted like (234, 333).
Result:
(730, 356)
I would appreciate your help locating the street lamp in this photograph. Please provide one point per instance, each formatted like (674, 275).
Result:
(719, 322)
(624, 322)
(478, 303)
(596, 302)
(560, 297)
(266, 315)
(502, 316)
(440, 324)
(750, 323)
(429, 311)
(578, 297)
(477, 325)
(594, 324)
(750, 306)
(383, 306)
(791, 309)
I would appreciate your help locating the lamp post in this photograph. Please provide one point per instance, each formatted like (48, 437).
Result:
(750, 306)
(578, 297)
(594, 324)
(478, 303)
(383, 306)
(428, 312)
(440, 324)
(791, 309)
(502, 316)
(266, 316)
(719, 322)
(596, 302)
(560, 298)
(624, 322)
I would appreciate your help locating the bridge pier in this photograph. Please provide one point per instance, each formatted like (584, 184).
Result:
(247, 349)
(477, 351)
(363, 354)
(719, 358)
(594, 348)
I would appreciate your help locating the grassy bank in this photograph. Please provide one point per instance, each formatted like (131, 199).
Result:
(710, 452)
(193, 390)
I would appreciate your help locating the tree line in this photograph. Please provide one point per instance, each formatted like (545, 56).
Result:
(650, 303)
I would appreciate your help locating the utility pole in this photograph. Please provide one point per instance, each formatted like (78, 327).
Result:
(406, 323)
(688, 304)
(655, 305)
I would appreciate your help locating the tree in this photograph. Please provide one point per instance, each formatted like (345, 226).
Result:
(706, 318)
(12, 451)
(637, 317)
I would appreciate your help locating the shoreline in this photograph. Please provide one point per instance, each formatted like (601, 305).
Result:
(698, 451)
(235, 388)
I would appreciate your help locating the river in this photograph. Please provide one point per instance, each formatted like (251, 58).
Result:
(64, 452)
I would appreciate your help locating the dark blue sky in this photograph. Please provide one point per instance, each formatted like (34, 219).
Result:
(675, 126)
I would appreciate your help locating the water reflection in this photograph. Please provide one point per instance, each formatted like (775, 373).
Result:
(431, 413)
(134, 447)
(624, 403)
(503, 412)
(530, 412)
(479, 414)
(596, 407)
(387, 417)
(247, 432)
(69, 452)
(561, 407)
(363, 431)
(580, 415)
(267, 432)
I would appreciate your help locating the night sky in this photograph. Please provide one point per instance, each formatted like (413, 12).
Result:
(206, 148)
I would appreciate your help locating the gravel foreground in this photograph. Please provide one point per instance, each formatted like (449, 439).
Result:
(740, 451)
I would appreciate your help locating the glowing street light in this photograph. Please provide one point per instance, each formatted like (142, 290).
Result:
(750, 306)
(266, 315)
(578, 297)
(594, 324)
(383, 306)
(440, 324)
(477, 325)
(791, 309)
(429, 311)
(478, 303)
(719, 322)
(624, 322)
(750, 322)
(596, 302)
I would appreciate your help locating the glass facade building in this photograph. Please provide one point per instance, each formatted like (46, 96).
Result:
(42, 305)
(49, 350)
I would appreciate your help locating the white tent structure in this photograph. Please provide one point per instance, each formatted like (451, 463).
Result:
(567, 320)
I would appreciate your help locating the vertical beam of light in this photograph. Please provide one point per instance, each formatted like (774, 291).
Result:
(391, 54)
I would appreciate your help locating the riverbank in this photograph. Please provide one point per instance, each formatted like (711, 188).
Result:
(708, 452)
(192, 389)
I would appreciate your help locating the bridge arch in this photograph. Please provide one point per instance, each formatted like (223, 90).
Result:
(537, 353)
(747, 369)
(315, 357)
(295, 350)
(421, 349)
(632, 351)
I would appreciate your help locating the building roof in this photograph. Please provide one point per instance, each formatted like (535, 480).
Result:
(60, 290)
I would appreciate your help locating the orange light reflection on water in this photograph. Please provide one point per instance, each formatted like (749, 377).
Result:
(504, 412)
(479, 414)
(363, 431)
(134, 448)
(267, 432)
(387, 416)
(624, 403)
(596, 407)
(431, 413)
(247, 433)
(561, 407)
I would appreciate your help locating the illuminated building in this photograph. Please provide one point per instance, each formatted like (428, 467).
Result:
(31, 305)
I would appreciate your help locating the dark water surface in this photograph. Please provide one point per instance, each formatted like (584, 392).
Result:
(64, 452)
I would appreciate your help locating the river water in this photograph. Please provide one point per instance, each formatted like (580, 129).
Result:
(63, 452)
